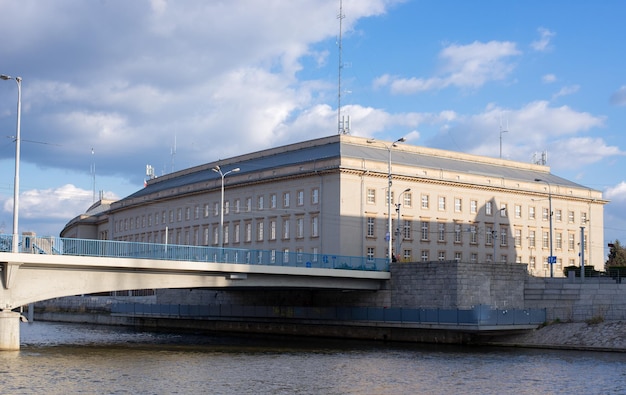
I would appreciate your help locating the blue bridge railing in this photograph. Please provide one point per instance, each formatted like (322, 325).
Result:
(124, 249)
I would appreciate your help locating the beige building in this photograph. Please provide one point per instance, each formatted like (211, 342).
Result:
(329, 196)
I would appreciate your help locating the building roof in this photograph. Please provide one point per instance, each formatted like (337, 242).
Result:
(338, 146)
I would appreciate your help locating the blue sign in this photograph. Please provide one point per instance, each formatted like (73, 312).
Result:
(552, 260)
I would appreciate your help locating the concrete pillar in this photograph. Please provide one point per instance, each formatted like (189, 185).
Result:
(9, 331)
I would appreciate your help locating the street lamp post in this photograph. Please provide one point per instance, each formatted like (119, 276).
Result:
(551, 258)
(16, 182)
(217, 169)
(389, 224)
(398, 205)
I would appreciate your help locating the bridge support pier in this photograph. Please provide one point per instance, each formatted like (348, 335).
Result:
(9, 331)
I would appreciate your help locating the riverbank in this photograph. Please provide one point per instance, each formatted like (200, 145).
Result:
(600, 336)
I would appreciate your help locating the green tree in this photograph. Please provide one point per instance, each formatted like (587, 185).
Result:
(617, 255)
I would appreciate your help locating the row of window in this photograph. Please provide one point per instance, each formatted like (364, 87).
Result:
(246, 231)
(407, 201)
(405, 231)
(176, 215)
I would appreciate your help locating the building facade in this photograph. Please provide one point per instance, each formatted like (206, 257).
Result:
(331, 196)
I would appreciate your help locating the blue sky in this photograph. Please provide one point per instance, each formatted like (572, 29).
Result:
(115, 85)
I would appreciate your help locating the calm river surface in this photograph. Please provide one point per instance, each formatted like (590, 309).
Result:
(72, 359)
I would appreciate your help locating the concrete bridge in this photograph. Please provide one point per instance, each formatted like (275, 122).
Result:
(46, 268)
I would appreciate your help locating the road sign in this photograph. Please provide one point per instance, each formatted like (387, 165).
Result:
(552, 259)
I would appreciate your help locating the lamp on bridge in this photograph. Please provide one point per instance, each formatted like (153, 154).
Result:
(217, 169)
(389, 203)
(16, 183)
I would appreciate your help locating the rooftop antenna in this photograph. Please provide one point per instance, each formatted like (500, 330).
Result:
(503, 131)
(93, 175)
(173, 154)
(343, 123)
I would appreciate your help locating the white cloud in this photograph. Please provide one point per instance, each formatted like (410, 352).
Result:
(616, 193)
(566, 90)
(463, 66)
(543, 43)
(548, 78)
(64, 202)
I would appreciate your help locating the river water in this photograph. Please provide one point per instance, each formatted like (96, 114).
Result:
(84, 359)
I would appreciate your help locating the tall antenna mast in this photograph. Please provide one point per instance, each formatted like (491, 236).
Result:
(173, 154)
(93, 175)
(342, 126)
(503, 131)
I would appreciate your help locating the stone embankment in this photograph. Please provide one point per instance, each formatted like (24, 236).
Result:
(600, 336)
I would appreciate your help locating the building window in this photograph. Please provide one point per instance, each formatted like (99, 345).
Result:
(226, 207)
(236, 233)
(237, 206)
(442, 232)
(406, 255)
(171, 216)
(206, 236)
(216, 209)
(504, 236)
(370, 253)
(272, 229)
(570, 217)
(370, 227)
(248, 204)
(286, 228)
(473, 206)
(457, 256)
(473, 257)
(179, 214)
(503, 210)
(545, 243)
(260, 202)
(315, 196)
(299, 253)
(286, 255)
(558, 214)
(300, 198)
(196, 212)
(272, 200)
(442, 256)
(570, 242)
(408, 199)
(248, 231)
(407, 229)
(425, 230)
(457, 205)
(371, 196)
(259, 230)
(457, 233)
(545, 214)
(314, 226)
(442, 203)
(226, 235)
(299, 228)
(424, 255)
(206, 212)
(473, 235)
(216, 233)
(518, 237)
(286, 201)
(489, 235)
(559, 240)
(488, 208)
(425, 202)
(531, 212)
(583, 218)
(187, 213)
(518, 211)
(531, 238)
